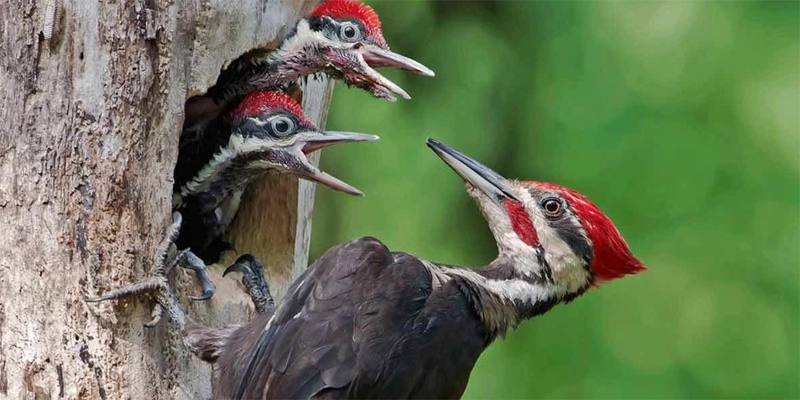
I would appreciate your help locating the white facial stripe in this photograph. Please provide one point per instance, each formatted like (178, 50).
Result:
(304, 38)
(258, 121)
(237, 146)
(567, 268)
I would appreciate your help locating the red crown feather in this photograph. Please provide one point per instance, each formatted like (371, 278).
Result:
(612, 258)
(338, 9)
(260, 101)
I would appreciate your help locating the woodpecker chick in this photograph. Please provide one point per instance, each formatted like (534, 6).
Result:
(267, 132)
(366, 322)
(341, 38)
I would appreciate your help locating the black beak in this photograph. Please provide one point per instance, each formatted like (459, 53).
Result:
(476, 174)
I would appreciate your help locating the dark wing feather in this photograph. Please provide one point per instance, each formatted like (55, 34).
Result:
(361, 322)
(201, 231)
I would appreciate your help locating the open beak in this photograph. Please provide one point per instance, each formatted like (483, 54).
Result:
(314, 141)
(368, 58)
(476, 174)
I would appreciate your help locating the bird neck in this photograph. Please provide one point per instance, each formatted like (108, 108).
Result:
(503, 295)
(299, 55)
(227, 172)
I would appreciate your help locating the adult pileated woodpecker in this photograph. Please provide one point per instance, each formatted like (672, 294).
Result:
(267, 132)
(341, 38)
(366, 322)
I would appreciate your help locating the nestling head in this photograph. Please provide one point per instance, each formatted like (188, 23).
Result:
(344, 38)
(545, 226)
(271, 132)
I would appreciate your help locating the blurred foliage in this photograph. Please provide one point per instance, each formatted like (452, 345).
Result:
(680, 119)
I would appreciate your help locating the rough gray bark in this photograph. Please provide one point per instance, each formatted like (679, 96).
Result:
(92, 105)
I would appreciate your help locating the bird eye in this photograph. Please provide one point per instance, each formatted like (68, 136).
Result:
(552, 207)
(281, 126)
(349, 31)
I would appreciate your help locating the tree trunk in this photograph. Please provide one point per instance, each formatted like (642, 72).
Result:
(92, 106)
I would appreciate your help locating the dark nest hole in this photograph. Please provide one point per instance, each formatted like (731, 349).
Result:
(265, 223)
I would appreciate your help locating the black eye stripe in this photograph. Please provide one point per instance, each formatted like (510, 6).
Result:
(333, 28)
(565, 224)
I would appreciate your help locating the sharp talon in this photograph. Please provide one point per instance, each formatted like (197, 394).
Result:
(206, 284)
(238, 267)
(253, 280)
(156, 284)
(242, 264)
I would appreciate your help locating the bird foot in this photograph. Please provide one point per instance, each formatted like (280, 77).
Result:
(253, 279)
(157, 283)
(200, 269)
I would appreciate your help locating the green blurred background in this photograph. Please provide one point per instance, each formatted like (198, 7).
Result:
(680, 119)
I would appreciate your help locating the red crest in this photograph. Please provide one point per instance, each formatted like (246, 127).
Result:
(339, 9)
(612, 258)
(261, 101)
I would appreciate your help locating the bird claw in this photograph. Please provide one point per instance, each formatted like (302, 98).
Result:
(157, 283)
(253, 279)
(200, 269)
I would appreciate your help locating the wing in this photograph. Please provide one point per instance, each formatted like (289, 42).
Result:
(334, 329)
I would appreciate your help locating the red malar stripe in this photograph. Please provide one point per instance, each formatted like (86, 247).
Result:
(521, 222)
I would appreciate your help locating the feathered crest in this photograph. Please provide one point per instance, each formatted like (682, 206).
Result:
(259, 101)
(338, 9)
(612, 258)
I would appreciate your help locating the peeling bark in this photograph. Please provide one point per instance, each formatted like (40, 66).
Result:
(92, 105)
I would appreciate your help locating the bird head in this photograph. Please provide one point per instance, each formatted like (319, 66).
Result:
(538, 223)
(344, 39)
(270, 132)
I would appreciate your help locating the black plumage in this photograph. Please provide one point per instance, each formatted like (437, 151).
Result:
(361, 322)
(201, 230)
